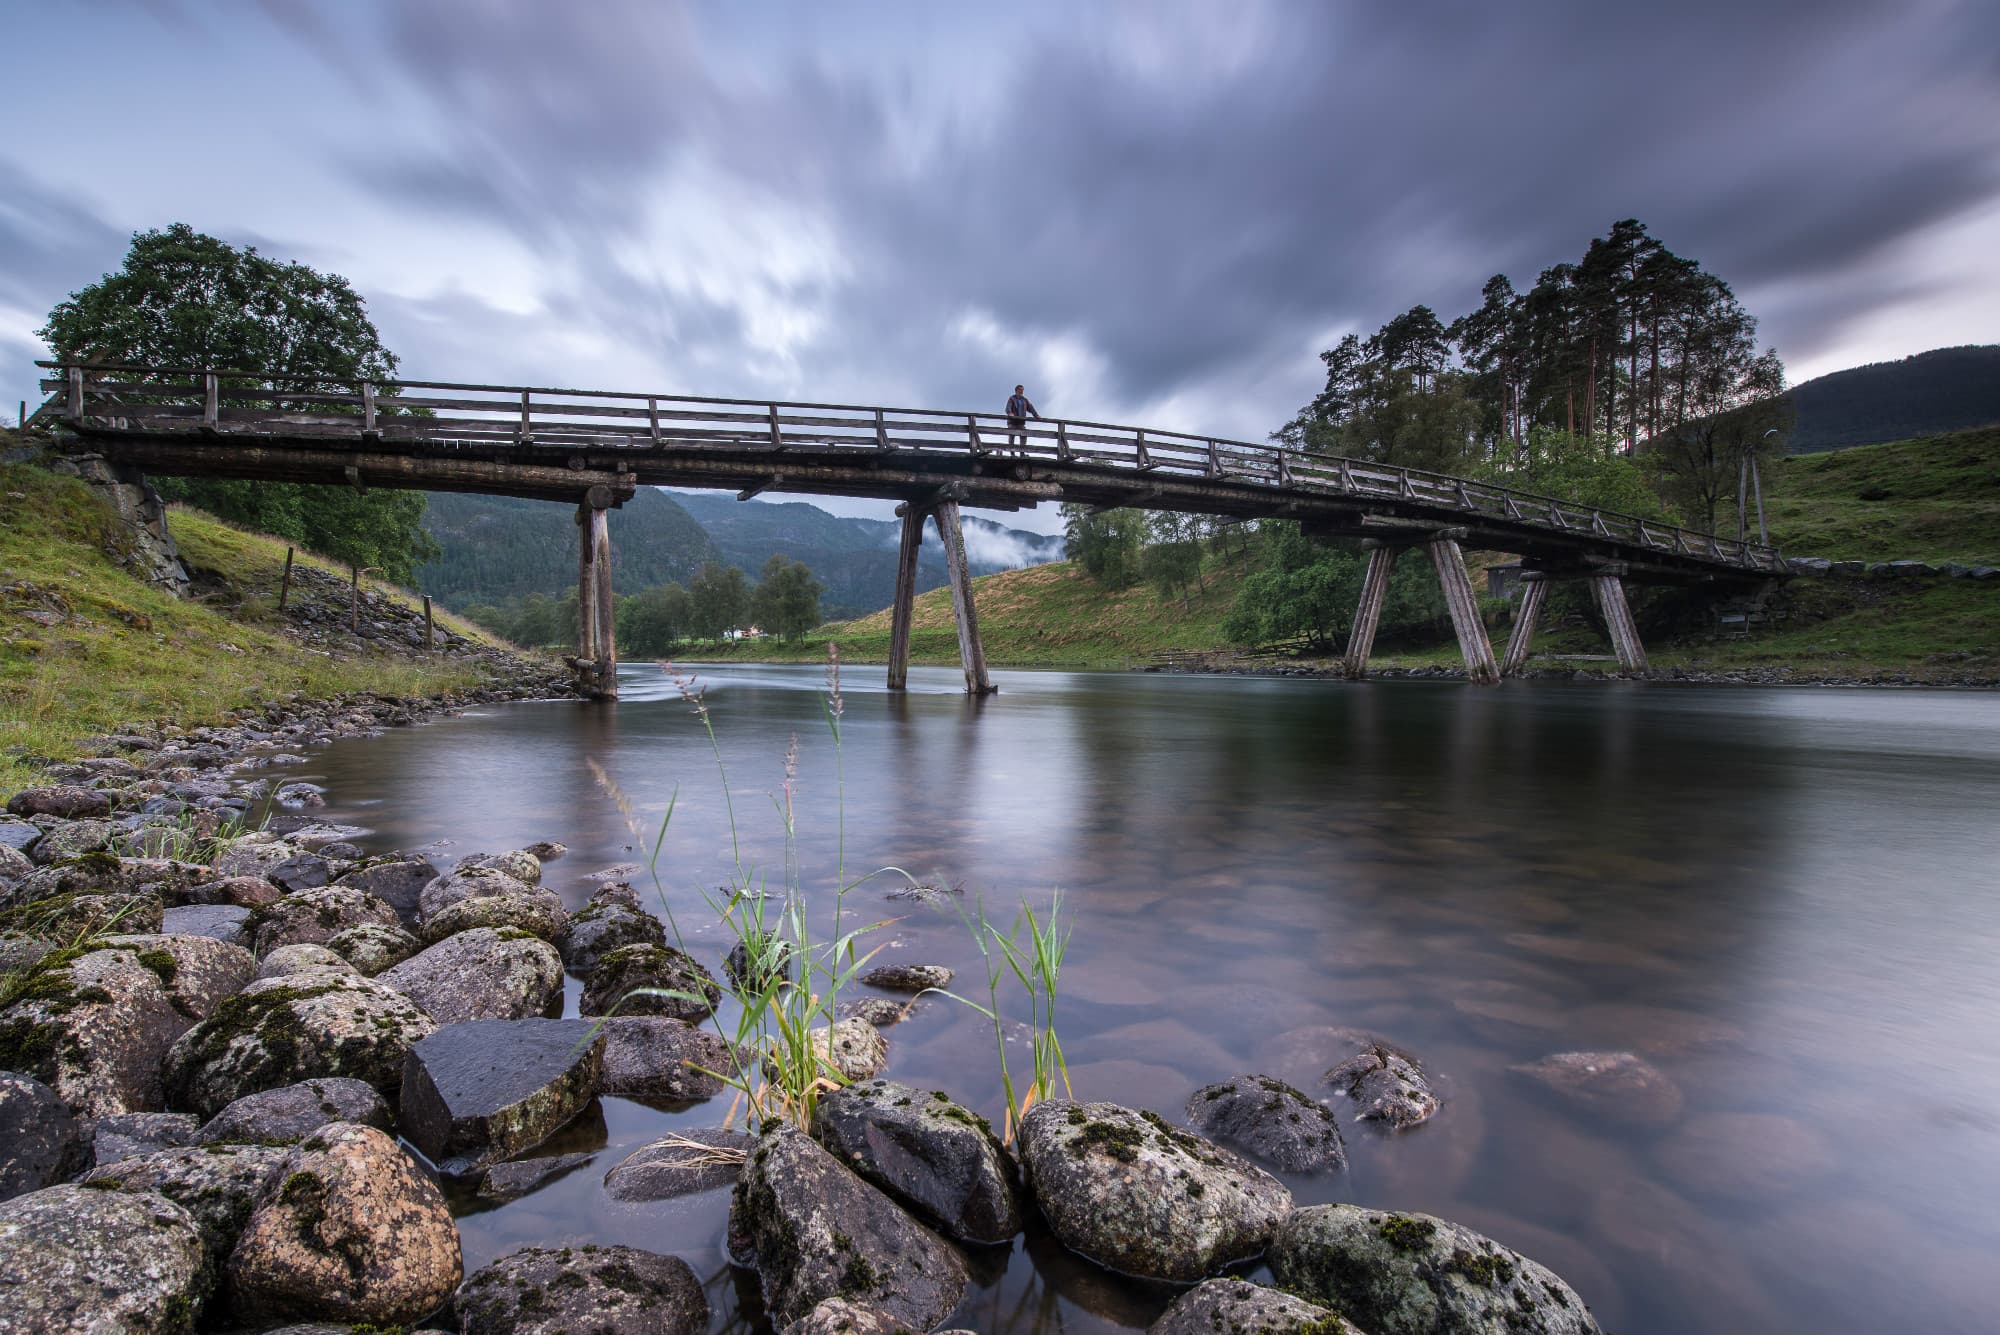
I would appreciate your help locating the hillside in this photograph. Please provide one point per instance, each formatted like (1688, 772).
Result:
(501, 548)
(86, 648)
(1946, 389)
(1941, 503)
(854, 558)
(1936, 498)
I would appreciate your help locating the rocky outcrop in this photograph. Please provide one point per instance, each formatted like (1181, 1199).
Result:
(483, 974)
(1238, 1307)
(935, 1158)
(218, 1185)
(40, 1142)
(649, 980)
(679, 1165)
(78, 1259)
(293, 1112)
(477, 1093)
(314, 917)
(140, 541)
(817, 1231)
(1131, 1192)
(601, 1290)
(353, 1233)
(1613, 1086)
(1406, 1274)
(280, 1031)
(1271, 1122)
(653, 1057)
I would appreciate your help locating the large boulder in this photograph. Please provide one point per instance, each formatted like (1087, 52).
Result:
(1413, 1274)
(817, 1231)
(118, 1136)
(40, 1142)
(353, 1233)
(279, 1031)
(199, 972)
(94, 1024)
(679, 1165)
(1239, 1307)
(631, 980)
(466, 882)
(314, 917)
(76, 839)
(1271, 1122)
(480, 1092)
(219, 1185)
(373, 948)
(653, 1057)
(600, 1290)
(77, 1259)
(537, 912)
(934, 1157)
(483, 974)
(68, 802)
(293, 1112)
(398, 882)
(608, 921)
(1131, 1192)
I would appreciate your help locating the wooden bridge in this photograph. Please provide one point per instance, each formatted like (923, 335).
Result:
(596, 448)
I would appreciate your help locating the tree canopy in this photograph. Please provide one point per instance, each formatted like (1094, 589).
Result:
(786, 601)
(185, 299)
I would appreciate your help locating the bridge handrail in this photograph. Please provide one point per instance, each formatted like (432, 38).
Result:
(514, 410)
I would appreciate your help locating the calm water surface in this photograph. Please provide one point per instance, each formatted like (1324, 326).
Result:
(1784, 899)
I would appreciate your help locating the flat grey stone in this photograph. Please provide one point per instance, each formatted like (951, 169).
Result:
(224, 922)
(679, 1165)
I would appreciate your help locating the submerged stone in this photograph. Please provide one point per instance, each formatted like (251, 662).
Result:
(679, 1165)
(517, 1178)
(477, 1093)
(1388, 1086)
(1615, 1086)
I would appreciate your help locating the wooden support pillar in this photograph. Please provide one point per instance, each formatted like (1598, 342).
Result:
(1374, 588)
(1534, 593)
(1609, 590)
(969, 651)
(596, 637)
(1449, 563)
(904, 607)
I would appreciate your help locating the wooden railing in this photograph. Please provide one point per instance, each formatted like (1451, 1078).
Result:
(445, 414)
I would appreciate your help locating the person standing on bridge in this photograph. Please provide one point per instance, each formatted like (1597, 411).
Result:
(1019, 410)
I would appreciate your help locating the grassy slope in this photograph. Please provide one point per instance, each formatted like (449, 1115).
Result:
(1943, 504)
(125, 652)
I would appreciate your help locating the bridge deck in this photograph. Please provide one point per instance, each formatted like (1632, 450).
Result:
(562, 443)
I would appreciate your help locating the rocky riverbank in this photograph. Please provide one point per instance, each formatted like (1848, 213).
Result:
(243, 1068)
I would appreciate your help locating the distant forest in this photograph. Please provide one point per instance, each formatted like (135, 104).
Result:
(1948, 389)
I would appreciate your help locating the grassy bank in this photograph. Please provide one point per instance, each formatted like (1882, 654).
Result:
(1935, 499)
(85, 647)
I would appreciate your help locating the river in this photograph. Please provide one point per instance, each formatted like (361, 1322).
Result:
(1783, 899)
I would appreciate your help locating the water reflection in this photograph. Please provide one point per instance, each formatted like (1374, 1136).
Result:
(1783, 899)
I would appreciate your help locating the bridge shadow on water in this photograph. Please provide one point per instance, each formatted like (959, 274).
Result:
(1781, 899)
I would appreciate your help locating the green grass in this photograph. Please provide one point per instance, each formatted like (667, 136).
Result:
(1934, 499)
(121, 652)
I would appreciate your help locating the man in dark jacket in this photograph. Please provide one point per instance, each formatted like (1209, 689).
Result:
(1019, 410)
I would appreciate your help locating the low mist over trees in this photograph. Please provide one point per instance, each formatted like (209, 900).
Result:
(183, 299)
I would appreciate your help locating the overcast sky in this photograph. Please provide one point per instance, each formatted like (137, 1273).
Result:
(1150, 212)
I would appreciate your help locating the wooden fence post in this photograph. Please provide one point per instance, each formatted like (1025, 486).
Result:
(285, 588)
(430, 631)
